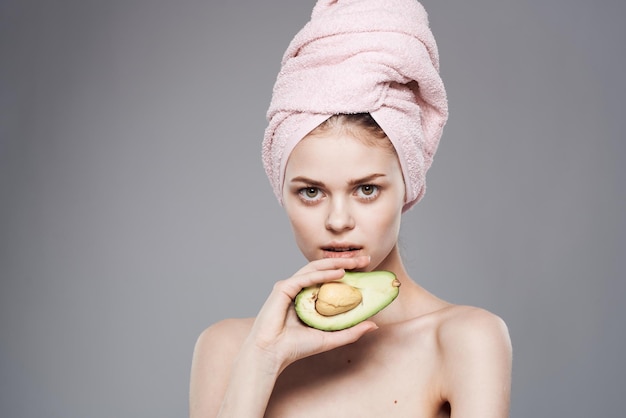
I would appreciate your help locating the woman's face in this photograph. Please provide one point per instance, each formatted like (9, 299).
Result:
(343, 197)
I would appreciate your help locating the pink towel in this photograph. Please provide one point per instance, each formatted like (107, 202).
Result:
(358, 56)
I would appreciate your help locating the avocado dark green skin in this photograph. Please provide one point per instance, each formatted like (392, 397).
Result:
(378, 288)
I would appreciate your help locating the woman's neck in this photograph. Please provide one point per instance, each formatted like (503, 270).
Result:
(412, 301)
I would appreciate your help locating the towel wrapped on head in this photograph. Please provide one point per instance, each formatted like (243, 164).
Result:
(361, 56)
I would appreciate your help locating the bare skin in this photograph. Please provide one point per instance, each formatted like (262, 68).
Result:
(419, 357)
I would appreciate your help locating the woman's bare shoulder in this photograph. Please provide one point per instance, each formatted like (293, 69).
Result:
(225, 336)
(456, 327)
(463, 325)
(217, 346)
(476, 352)
(213, 356)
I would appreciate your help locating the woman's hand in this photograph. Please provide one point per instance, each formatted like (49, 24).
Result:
(277, 332)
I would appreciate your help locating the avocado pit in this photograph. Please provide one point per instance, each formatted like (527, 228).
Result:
(335, 297)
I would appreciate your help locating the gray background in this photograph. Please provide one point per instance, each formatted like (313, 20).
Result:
(135, 212)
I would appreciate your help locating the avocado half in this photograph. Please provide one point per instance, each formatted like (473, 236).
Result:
(377, 289)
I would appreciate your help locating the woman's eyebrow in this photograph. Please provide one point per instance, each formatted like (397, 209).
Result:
(353, 182)
(366, 179)
(306, 180)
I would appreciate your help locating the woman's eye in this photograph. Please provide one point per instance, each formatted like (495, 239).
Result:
(368, 191)
(310, 193)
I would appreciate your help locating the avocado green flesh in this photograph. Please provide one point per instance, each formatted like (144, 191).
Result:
(377, 288)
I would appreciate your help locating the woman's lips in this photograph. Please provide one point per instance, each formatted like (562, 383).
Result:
(341, 252)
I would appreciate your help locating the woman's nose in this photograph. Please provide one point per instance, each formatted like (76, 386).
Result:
(339, 216)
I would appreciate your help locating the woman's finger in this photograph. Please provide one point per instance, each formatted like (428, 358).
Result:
(292, 286)
(318, 271)
(335, 263)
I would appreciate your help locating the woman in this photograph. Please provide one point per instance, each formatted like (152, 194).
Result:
(356, 116)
